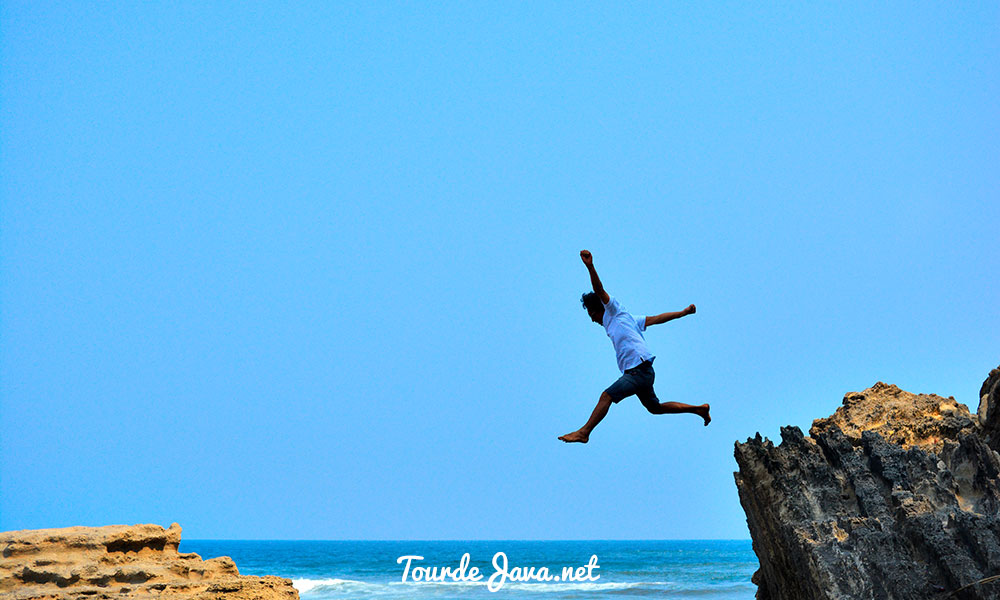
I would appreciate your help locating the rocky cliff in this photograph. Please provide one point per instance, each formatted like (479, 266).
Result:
(989, 409)
(121, 561)
(896, 496)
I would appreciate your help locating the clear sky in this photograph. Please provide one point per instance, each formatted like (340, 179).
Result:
(313, 272)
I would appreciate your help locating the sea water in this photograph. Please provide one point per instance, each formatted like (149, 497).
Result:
(336, 570)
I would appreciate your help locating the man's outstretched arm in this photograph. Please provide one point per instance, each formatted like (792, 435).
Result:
(588, 260)
(669, 316)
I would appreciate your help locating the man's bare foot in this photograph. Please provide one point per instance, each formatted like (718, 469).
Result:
(702, 411)
(576, 436)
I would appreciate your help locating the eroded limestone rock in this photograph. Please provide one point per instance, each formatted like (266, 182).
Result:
(122, 561)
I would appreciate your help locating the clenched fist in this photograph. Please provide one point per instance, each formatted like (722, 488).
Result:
(586, 257)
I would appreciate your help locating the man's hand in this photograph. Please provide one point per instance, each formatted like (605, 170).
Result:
(690, 310)
(595, 281)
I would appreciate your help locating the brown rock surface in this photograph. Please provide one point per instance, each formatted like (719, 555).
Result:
(909, 420)
(122, 561)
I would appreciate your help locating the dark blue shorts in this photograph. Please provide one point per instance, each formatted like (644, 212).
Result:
(638, 381)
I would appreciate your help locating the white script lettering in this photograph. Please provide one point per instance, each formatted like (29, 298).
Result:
(503, 572)
(440, 574)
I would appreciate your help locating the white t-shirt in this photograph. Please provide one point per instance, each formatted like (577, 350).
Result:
(625, 332)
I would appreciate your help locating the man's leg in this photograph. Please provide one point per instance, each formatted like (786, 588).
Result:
(653, 405)
(672, 408)
(582, 434)
(647, 396)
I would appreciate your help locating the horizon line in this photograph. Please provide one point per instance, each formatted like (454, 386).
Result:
(747, 539)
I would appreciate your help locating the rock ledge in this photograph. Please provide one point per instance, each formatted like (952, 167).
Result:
(122, 561)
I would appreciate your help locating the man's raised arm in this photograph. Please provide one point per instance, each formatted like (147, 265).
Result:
(588, 260)
(669, 316)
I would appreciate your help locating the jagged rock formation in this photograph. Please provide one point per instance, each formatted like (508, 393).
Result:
(989, 409)
(121, 561)
(896, 496)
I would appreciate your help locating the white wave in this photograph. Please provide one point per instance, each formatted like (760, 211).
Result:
(306, 585)
(541, 586)
(582, 587)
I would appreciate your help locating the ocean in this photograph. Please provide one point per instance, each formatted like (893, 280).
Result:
(341, 570)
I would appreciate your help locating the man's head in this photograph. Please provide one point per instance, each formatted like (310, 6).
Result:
(595, 308)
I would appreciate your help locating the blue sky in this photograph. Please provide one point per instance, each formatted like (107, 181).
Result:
(313, 272)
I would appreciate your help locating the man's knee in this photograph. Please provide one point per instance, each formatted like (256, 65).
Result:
(605, 398)
(652, 405)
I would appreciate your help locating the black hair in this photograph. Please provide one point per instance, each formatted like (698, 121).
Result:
(591, 302)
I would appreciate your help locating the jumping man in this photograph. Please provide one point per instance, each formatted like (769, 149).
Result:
(634, 359)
